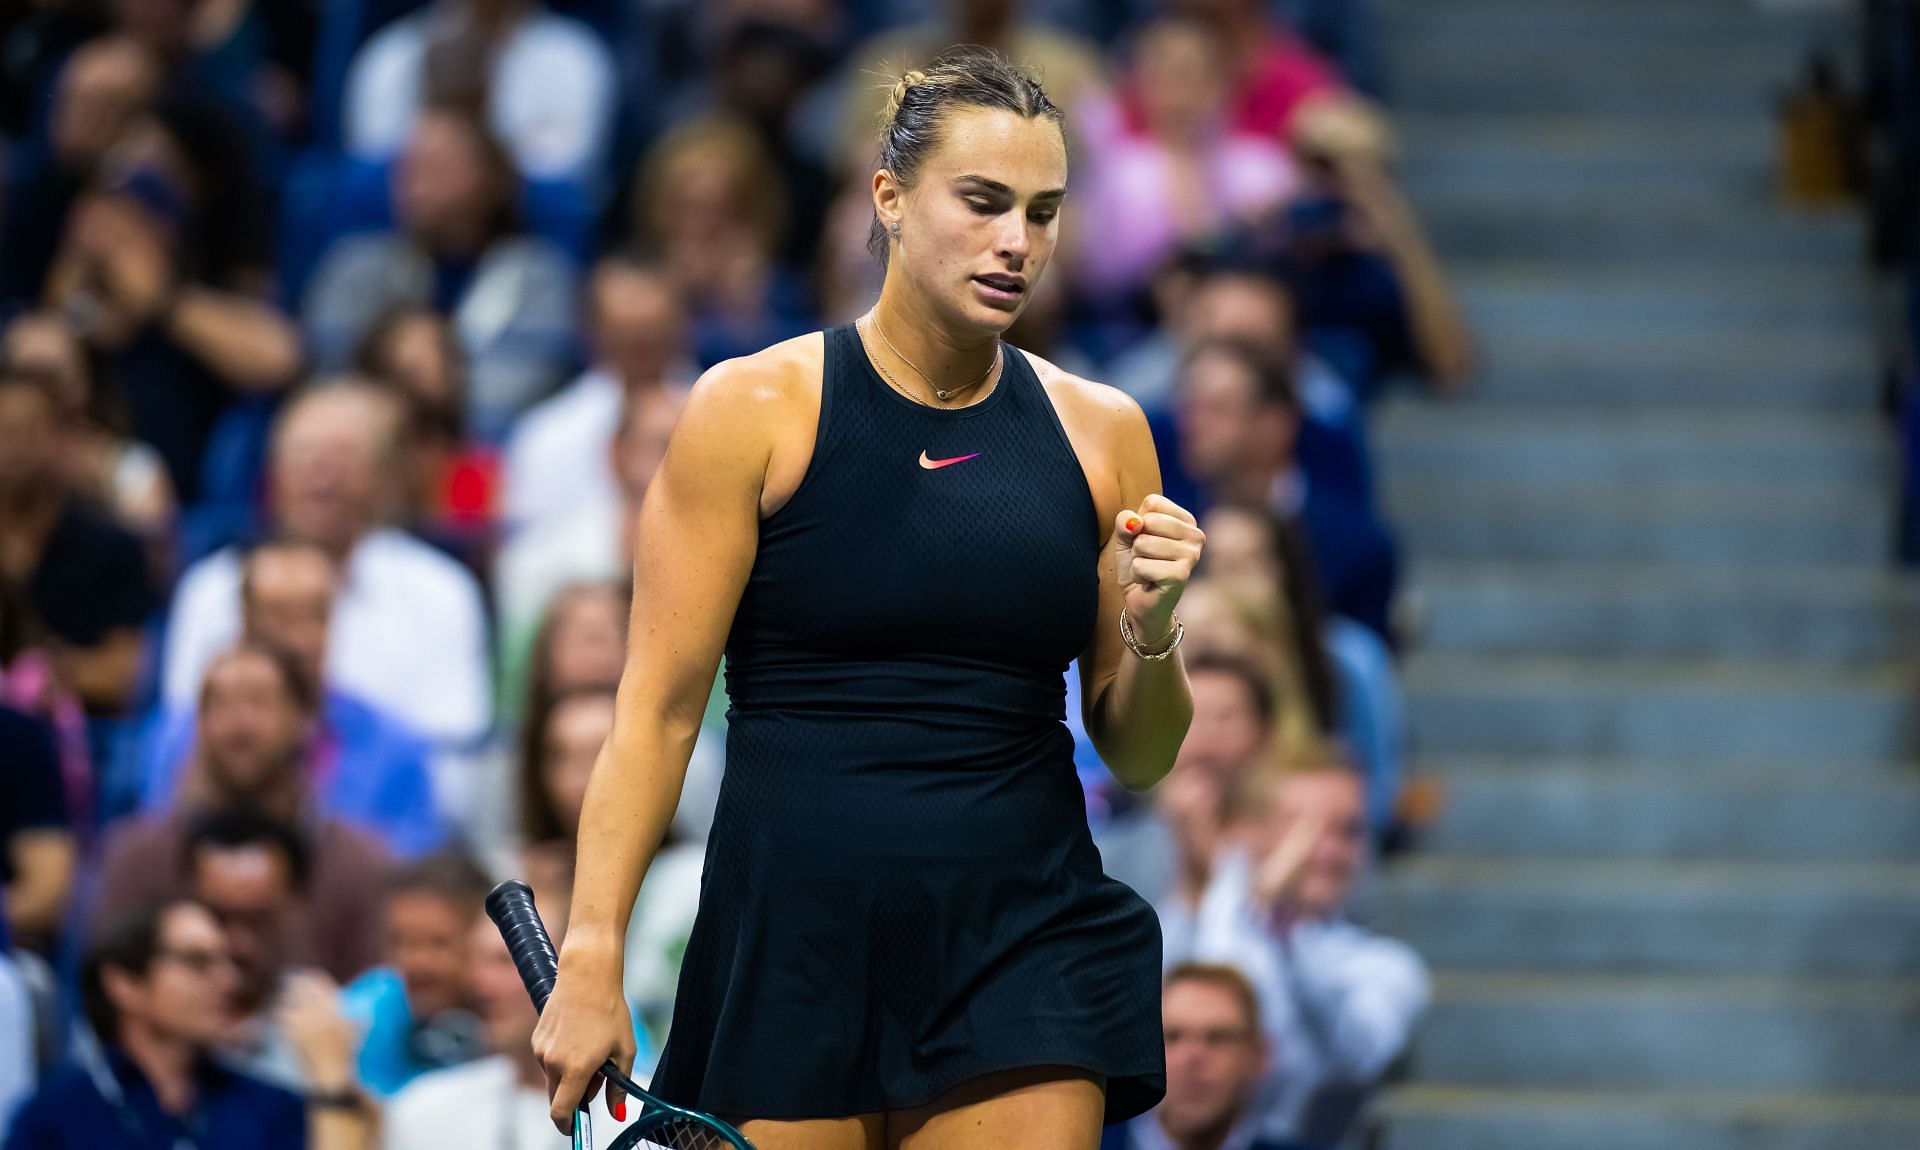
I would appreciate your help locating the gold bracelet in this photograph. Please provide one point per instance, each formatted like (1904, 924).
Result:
(1133, 642)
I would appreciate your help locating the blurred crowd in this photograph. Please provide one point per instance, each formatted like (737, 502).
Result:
(338, 344)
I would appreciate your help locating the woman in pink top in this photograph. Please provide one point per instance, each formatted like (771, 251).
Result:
(1184, 173)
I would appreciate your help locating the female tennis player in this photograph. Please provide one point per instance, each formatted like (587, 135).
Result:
(901, 531)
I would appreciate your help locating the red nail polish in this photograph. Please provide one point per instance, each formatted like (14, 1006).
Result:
(620, 1111)
(1133, 524)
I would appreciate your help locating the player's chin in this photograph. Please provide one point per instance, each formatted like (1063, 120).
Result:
(991, 312)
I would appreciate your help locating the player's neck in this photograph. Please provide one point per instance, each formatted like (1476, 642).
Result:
(949, 360)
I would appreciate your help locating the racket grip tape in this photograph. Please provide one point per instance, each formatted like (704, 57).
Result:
(510, 906)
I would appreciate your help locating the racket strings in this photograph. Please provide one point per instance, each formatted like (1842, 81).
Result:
(680, 1134)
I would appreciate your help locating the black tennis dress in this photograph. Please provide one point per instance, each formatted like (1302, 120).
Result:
(901, 892)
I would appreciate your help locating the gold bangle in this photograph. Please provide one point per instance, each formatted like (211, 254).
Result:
(1133, 642)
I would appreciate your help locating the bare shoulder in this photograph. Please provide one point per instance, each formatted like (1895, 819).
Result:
(761, 410)
(1101, 420)
(764, 383)
(1108, 432)
(1099, 402)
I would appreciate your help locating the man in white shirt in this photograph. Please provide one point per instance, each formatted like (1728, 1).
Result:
(409, 630)
(1338, 1002)
(497, 1101)
(557, 456)
(550, 84)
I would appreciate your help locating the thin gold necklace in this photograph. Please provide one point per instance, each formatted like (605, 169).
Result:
(873, 318)
(887, 375)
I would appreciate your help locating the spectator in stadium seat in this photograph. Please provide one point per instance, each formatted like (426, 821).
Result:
(1238, 423)
(556, 757)
(1232, 735)
(417, 352)
(408, 633)
(459, 247)
(77, 583)
(497, 1098)
(581, 642)
(1372, 296)
(562, 741)
(452, 483)
(560, 451)
(104, 467)
(412, 1011)
(254, 871)
(162, 271)
(1338, 1002)
(370, 769)
(710, 207)
(256, 715)
(768, 67)
(1184, 176)
(594, 540)
(36, 838)
(103, 86)
(1216, 1058)
(1071, 66)
(1216, 300)
(1351, 670)
(546, 82)
(1271, 71)
(156, 985)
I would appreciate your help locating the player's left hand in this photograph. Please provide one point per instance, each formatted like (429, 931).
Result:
(1155, 549)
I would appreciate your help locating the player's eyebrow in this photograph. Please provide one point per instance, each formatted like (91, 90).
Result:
(992, 185)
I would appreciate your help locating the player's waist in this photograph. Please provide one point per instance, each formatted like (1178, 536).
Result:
(940, 690)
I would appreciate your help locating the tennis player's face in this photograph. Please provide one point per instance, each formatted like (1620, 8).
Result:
(981, 222)
(1215, 1055)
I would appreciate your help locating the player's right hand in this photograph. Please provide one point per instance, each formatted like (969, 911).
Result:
(585, 1024)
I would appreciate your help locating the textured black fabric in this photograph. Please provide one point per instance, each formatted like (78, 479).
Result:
(901, 892)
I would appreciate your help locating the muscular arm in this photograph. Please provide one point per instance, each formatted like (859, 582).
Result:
(695, 544)
(1136, 710)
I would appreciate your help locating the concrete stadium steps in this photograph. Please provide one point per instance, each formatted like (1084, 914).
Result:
(1672, 896)
(1464, 74)
(1633, 521)
(1682, 151)
(1542, 297)
(1411, 29)
(1576, 445)
(1464, 1118)
(1630, 919)
(1847, 614)
(1551, 809)
(1659, 709)
(1673, 227)
(1607, 1033)
(1698, 370)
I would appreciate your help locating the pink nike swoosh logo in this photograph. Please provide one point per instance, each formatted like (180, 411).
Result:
(937, 464)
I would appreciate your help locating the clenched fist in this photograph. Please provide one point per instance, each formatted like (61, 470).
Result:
(1155, 549)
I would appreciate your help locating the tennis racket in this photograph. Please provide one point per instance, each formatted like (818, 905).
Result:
(661, 1125)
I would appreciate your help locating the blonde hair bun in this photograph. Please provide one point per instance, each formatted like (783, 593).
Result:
(901, 87)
